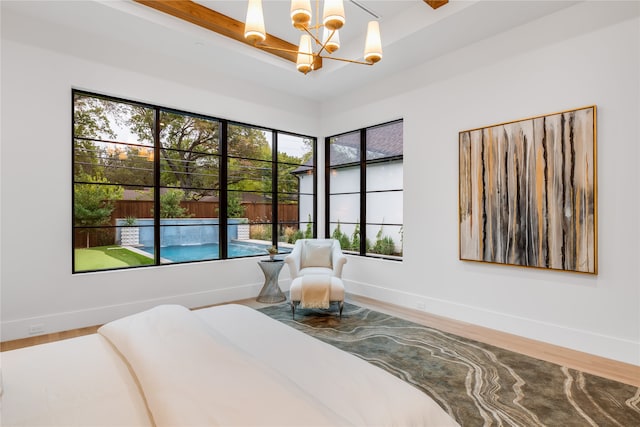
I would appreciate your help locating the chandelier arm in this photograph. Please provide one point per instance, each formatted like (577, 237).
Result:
(279, 49)
(352, 61)
(318, 42)
(333, 58)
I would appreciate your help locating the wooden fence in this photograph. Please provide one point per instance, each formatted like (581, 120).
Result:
(255, 212)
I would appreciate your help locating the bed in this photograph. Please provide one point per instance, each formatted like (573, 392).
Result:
(228, 365)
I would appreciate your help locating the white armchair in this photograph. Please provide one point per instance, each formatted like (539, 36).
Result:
(316, 256)
(315, 262)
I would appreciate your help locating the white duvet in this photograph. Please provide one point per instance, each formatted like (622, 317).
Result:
(234, 366)
(228, 365)
(78, 382)
(193, 376)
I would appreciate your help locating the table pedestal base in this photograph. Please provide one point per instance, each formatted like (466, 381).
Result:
(271, 292)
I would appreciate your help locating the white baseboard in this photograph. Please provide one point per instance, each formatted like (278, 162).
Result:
(614, 348)
(626, 351)
(56, 322)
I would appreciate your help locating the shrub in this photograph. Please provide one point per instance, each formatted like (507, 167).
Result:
(296, 236)
(234, 206)
(308, 232)
(289, 234)
(384, 245)
(355, 238)
(170, 205)
(341, 237)
(260, 232)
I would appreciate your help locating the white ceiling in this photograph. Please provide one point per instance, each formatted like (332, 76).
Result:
(412, 33)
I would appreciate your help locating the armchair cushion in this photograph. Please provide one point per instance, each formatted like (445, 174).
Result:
(316, 254)
(336, 290)
(315, 270)
(330, 263)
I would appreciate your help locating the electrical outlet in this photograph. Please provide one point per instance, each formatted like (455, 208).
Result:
(420, 305)
(36, 329)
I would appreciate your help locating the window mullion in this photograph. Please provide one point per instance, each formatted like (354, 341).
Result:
(274, 188)
(363, 192)
(156, 186)
(327, 185)
(315, 188)
(222, 194)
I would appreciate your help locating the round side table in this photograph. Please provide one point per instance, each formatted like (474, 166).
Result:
(271, 292)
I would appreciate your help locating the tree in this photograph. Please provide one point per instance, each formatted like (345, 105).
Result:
(94, 202)
(288, 182)
(234, 207)
(170, 204)
(189, 148)
(129, 165)
(91, 121)
(249, 167)
(92, 117)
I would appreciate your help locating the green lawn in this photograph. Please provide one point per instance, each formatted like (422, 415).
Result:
(106, 257)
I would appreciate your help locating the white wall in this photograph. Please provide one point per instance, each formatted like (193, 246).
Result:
(588, 54)
(38, 288)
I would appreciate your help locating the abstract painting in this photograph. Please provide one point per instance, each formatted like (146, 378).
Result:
(528, 193)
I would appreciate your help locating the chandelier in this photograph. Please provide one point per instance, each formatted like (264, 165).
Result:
(333, 19)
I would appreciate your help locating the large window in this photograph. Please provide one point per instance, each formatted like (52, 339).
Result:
(364, 191)
(155, 186)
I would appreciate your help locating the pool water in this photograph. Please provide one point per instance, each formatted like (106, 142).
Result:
(182, 253)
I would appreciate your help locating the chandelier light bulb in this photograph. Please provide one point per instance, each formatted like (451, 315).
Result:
(300, 13)
(304, 61)
(331, 44)
(254, 30)
(333, 14)
(373, 44)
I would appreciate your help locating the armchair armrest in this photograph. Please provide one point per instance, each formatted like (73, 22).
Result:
(293, 261)
(338, 260)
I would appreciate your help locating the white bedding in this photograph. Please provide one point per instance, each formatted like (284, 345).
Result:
(226, 365)
(76, 382)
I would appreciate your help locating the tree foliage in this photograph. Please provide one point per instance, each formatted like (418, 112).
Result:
(170, 204)
(94, 202)
(115, 141)
(341, 237)
(189, 149)
(90, 120)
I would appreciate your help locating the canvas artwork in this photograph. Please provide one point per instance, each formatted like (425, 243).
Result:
(527, 192)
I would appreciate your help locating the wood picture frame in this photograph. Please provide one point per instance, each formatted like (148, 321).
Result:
(528, 192)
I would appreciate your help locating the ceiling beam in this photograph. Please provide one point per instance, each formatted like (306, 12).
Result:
(436, 3)
(215, 21)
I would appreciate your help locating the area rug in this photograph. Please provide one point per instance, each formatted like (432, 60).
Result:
(476, 383)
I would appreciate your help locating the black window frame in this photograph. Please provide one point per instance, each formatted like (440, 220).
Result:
(362, 163)
(222, 179)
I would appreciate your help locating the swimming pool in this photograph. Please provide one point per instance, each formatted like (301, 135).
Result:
(183, 253)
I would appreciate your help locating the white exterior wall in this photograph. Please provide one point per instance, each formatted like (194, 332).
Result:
(381, 207)
(305, 205)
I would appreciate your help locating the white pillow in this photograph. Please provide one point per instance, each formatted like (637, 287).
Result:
(316, 254)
